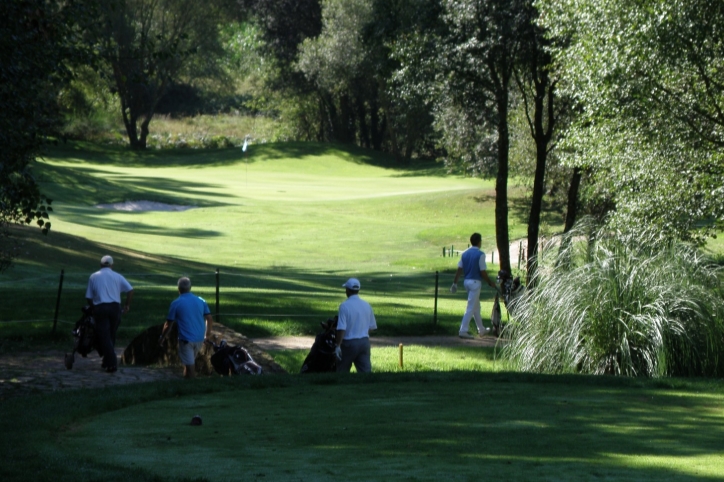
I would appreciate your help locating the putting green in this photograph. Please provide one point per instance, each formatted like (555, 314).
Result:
(296, 206)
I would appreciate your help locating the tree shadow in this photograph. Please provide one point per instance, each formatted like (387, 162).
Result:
(80, 152)
(89, 186)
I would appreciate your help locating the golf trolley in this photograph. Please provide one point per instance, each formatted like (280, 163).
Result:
(321, 357)
(509, 289)
(233, 360)
(84, 336)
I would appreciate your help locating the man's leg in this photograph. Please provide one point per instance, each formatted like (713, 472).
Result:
(350, 351)
(187, 352)
(362, 363)
(189, 371)
(102, 315)
(115, 320)
(473, 289)
(476, 313)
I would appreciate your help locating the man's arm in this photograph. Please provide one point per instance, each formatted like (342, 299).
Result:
(129, 297)
(340, 337)
(164, 332)
(485, 276)
(209, 323)
(457, 275)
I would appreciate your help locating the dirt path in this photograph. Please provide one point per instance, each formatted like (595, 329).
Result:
(23, 373)
(305, 342)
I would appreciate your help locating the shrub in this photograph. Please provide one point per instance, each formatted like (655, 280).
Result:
(634, 305)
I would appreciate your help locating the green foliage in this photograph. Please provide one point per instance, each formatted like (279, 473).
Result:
(648, 79)
(148, 44)
(38, 42)
(631, 304)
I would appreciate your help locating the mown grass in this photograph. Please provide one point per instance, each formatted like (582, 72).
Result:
(286, 225)
(285, 236)
(415, 358)
(422, 426)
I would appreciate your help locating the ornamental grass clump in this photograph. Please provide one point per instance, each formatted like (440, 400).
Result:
(622, 305)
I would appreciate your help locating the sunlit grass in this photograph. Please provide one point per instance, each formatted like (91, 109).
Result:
(415, 358)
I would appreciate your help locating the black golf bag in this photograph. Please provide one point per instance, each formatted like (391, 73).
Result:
(321, 357)
(84, 336)
(510, 289)
(233, 360)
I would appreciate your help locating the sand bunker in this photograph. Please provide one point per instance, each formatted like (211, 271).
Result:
(144, 206)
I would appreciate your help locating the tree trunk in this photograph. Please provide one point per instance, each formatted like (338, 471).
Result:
(542, 136)
(501, 182)
(364, 133)
(572, 210)
(564, 250)
(375, 127)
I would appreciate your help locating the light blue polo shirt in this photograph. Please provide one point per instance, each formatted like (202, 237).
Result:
(189, 311)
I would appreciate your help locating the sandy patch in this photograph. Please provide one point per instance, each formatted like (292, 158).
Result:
(144, 206)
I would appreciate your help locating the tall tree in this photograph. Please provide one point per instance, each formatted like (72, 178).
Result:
(649, 77)
(147, 44)
(543, 108)
(478, 59)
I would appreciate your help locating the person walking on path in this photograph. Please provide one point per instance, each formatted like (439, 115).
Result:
(192, 315)
(104, 293)
(355, 321)
(472, 265)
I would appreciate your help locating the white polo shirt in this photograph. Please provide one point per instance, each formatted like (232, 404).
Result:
(106, 286)
(356, 318)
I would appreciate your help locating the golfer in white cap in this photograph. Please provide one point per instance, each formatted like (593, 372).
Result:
(104, 293)
(355, 321)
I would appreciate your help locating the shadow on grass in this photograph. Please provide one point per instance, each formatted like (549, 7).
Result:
(532, 428)
(89, 186)
(82, 152)
(257, 302)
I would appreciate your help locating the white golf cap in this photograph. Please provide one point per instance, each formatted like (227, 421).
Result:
(107, 261)
(352, 284)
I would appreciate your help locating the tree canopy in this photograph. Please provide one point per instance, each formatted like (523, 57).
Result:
(38, 42)
(648, 77)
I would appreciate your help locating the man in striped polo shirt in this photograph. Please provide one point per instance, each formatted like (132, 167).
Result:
(472, 265)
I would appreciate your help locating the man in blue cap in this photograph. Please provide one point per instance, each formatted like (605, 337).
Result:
(355, 321)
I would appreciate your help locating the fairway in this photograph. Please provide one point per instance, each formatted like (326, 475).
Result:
(285, 224)
(290, 206)
(473, 427)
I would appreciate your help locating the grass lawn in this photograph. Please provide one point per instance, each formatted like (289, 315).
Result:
(286, 226)
(420, 426)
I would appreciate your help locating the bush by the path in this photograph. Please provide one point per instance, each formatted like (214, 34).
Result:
(634, 305)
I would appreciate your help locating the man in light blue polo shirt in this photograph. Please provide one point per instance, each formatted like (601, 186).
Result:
(472, 265)
(194, 320)
(104, 293)
(354, 323)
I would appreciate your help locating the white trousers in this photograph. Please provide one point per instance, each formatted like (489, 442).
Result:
(473, 309)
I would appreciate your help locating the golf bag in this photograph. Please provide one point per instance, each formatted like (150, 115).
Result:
(321, 357)
(233, 360)
(496, 316)
(511, 288)
(84, 336)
